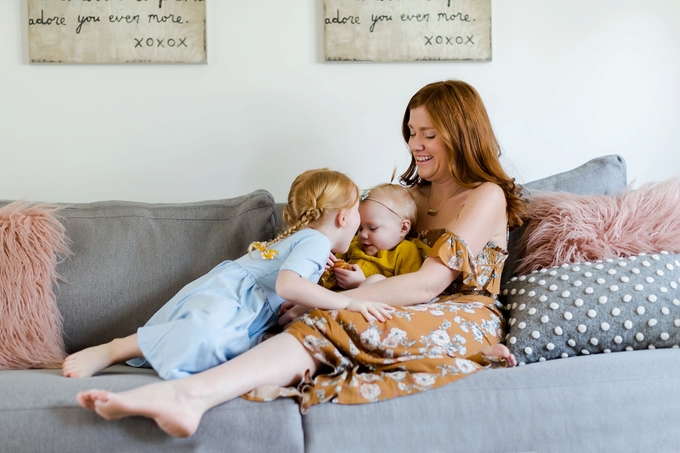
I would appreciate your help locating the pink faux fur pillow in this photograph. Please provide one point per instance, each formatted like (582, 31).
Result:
(31, 242)
(566, 228)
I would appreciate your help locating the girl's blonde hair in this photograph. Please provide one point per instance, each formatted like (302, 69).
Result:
(312, 195)
(458, 114)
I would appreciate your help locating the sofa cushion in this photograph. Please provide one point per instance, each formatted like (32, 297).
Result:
(39, 413)
(130, 258)
(599, 403)
(614, 305)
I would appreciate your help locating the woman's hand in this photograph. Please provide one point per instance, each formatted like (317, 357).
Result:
(371, 310)
(349, 278)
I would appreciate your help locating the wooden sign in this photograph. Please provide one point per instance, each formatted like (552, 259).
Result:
(116, 31)
(407, 30)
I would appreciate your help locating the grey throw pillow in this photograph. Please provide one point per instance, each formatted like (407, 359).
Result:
(608, 306)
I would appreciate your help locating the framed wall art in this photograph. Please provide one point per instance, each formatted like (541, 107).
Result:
(117, 31)
(407, 30)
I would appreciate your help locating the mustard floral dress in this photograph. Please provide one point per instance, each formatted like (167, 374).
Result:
(422, 347)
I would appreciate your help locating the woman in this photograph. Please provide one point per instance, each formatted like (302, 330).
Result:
(465, 204)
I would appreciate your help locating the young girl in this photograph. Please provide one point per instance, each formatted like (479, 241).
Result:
(226, 312)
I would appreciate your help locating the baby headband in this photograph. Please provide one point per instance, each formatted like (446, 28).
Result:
(366, 196)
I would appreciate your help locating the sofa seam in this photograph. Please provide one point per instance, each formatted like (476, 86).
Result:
(254, 208)
(583, 384)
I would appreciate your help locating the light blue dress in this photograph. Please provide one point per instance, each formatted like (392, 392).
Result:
(226, 312)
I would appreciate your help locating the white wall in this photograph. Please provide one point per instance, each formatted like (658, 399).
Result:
(570, 80)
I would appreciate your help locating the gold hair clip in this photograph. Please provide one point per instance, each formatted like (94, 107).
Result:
(266, 253)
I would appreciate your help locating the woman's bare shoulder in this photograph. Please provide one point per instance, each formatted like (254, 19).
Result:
(483, 218)
(488, 192)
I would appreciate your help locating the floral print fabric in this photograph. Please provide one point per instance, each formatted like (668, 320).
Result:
(423, 347)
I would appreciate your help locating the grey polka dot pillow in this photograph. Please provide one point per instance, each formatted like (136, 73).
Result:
(586, 308)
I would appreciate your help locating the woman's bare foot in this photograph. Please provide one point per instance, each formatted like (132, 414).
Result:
(87, 362)
(500, 351)
(177, 415)
(87, 399)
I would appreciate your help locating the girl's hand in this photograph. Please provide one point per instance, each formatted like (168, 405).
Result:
(331, 261)
(371, 310)
(349, 279)
(291, 314)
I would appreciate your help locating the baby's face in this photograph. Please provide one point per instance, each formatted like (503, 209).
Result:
(380, 228)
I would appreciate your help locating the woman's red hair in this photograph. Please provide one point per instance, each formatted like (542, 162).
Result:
(458, 114)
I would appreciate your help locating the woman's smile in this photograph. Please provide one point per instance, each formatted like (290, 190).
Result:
(426, 145)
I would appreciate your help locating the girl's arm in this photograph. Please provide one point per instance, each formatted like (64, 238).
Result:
(292, 287)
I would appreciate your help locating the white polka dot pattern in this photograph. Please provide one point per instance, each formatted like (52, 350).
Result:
(615, 305)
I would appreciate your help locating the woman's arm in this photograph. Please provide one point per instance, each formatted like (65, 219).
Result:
(409, 289)
(481, 220)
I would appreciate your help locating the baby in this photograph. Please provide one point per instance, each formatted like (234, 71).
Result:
(380, 249)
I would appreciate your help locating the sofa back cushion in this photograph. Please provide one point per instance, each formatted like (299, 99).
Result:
(130, 258)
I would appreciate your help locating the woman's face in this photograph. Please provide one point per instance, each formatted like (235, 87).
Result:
(427, 146)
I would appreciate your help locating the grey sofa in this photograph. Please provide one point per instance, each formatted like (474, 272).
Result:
(129, 258)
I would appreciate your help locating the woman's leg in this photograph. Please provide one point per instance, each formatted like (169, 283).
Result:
(89, 361)
(178, 405)
(499, 351)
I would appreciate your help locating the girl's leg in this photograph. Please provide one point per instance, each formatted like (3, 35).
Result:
(178, 405)
(89, 361)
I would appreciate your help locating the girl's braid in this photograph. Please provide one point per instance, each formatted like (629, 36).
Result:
(311, 196)
(307, 217)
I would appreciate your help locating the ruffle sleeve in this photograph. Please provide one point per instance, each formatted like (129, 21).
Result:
(480, 273)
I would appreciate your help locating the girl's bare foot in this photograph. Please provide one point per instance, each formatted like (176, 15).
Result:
(87, 362)
(174, 413)
(500, 351)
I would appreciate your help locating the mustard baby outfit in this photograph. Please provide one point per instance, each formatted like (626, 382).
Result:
(406, 257)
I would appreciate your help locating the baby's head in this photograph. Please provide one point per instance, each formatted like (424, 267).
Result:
(387, 213)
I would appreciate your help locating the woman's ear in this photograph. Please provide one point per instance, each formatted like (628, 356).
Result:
(404, 227)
